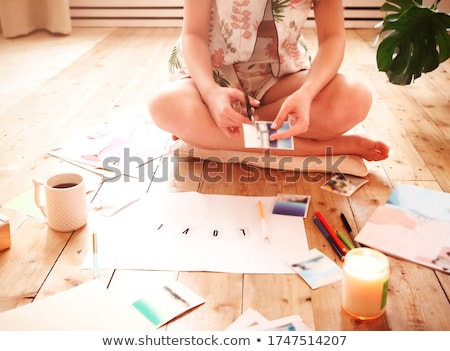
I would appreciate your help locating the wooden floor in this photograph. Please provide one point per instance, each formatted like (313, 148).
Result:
(56, 87)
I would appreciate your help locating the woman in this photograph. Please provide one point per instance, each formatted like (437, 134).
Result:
(228, 47)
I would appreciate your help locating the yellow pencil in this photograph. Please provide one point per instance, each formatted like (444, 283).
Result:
(263, 222)
(95, 254)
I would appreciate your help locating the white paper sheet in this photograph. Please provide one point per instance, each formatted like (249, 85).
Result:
(249, 318)
(88, 306)
(199, 232)
(253, 320)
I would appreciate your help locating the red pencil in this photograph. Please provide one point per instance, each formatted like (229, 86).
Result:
(332, 233)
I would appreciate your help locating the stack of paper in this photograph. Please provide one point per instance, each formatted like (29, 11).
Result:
(110, 155)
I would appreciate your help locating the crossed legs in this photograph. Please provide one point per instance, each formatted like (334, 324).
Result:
(179, 109)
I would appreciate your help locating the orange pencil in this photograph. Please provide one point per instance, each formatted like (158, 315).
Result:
(338, 241)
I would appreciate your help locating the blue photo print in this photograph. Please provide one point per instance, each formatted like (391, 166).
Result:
(292, 205)
(258, 136)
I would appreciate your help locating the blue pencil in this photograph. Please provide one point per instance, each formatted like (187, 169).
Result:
(328, 237)
(95, 254)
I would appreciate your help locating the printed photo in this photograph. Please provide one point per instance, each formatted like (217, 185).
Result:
(317, 269)
(163, 304)
(343, 184)
(292, 205)
(258, 136)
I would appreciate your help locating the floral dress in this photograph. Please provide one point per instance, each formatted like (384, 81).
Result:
(242, 58)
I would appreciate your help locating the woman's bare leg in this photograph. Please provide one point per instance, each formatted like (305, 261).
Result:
(179, 109)
(340, 106)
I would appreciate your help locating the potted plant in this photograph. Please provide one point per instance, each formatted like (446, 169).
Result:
(417, 40)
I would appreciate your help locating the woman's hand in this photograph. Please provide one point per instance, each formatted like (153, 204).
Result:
(296, 110)
(329, 19)
(227, 108)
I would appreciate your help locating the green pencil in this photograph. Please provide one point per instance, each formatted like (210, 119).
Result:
(347, 242)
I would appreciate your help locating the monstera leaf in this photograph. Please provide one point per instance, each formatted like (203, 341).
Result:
(417, 40)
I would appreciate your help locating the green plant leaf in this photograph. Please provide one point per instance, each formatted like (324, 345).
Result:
(174, 62)
(417, 42)
(399, 5)
(441, 27)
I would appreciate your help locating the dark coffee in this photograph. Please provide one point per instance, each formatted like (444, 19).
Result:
(65, 185)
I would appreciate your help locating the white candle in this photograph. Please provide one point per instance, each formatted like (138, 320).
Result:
(365, 283)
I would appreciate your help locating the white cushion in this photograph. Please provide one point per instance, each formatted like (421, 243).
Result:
(347, 164)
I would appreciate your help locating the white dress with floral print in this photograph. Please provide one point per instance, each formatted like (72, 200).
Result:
(242, 59)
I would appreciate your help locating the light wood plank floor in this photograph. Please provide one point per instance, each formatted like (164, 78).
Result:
(56, 87)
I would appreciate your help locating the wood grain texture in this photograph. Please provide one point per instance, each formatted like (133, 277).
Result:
(56, 87)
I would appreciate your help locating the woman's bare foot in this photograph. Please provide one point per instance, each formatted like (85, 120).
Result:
(350, 144)
(371, 150)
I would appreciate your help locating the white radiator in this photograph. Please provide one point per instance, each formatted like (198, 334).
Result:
(169, 13)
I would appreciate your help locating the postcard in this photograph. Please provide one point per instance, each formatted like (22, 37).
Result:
(344, 184)
(317, 269)
(292, 205)
(258, 136)
(163, 304)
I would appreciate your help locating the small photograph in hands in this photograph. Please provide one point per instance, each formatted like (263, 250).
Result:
(258, 136)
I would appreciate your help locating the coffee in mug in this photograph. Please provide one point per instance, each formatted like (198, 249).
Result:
(65, 204)
(64, 185)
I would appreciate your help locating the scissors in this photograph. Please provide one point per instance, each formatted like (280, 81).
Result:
(249, 109)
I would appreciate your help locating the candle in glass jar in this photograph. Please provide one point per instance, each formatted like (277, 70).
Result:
(365, 283)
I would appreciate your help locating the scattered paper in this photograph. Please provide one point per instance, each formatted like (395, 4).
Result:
(24, 203)
(253, 320)
(163, 304)
(111, 197)
(414, 224)
(109, 155)
(289, 323)
(88, 306)
(248, 319)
